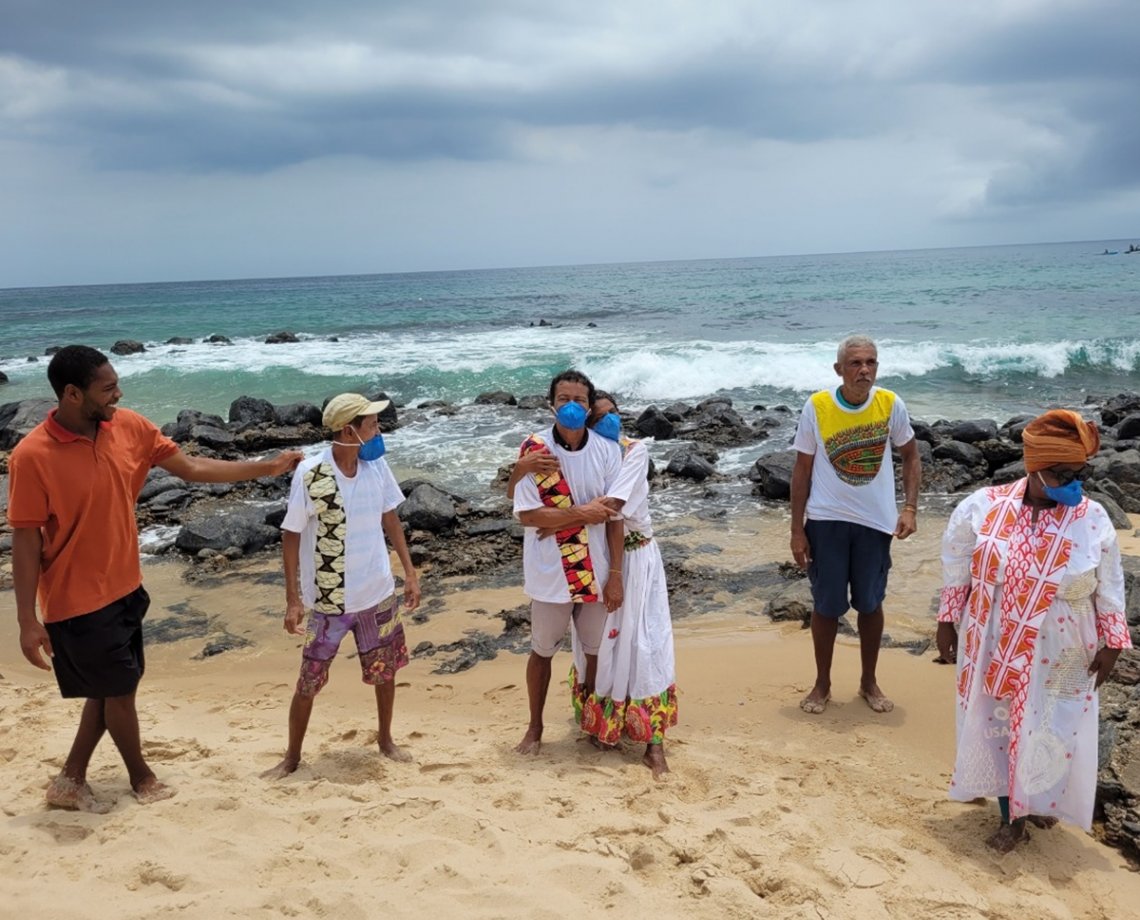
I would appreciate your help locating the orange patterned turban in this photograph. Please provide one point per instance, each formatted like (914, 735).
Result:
(1058, 436)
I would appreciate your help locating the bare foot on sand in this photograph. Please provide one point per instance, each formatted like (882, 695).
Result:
(150, 790)
(288, 765)
(64, 792)
(816, 701)
(655, 759)
(602, 746)
(1008, 836)
(876, 699)
(392, 752)
(531, 742)
(1045, 822)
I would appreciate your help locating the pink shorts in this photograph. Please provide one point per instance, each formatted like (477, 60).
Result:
(548, 624)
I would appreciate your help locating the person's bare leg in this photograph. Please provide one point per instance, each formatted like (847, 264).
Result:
(123, 726)
(591, 672)
(655, 759)
(299, 712)
(385, 705)
(823, 632)
(70, 789)
(870, 639)
(537, 684)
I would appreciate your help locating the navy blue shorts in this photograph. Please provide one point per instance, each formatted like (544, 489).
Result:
(849, 566)
(100, 654)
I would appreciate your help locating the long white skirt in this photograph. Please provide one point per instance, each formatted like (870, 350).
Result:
(635, 689)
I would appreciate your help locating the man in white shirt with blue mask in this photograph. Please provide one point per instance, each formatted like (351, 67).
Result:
(342, 504)
(567, 577)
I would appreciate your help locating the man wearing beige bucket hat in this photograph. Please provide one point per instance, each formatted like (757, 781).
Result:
(341, 506)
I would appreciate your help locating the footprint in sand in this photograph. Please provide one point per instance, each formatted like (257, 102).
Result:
(149, 873)
(441, 691)
(497, 693)
(66, 833)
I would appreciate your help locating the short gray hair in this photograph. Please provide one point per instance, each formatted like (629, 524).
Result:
(854, 341)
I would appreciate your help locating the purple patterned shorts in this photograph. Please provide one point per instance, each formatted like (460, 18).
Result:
(379, 636)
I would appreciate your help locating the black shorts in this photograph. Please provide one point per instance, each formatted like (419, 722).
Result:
(847, 556)
(100, 654)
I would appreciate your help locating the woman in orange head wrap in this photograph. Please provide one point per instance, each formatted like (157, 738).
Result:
(1032, 578)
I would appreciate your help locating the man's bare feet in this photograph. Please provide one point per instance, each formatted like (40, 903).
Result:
(655, 759)
(876, 699)
(816, 701)
(64, 792)
(1008, 836)
(390, 750)
(288, 765)
(1045, 822)
(531, 742)
(150, 790)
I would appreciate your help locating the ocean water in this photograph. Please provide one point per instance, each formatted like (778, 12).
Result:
(990, 331)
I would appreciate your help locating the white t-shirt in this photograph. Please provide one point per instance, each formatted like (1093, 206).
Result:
(590, 472)
(852, 478)
(632, 487)
(366, 496)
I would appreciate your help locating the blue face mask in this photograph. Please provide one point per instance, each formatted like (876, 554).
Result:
(372, 449)
(1069, 494)
(609, 426)
(572, 416)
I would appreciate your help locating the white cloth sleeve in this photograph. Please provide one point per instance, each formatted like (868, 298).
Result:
(633, 475)
(299, 510)
(805, 441)
(958, 543)
(1111, 622)
(902, 432)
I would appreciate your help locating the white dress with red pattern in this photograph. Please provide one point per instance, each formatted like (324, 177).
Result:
(1032, 601)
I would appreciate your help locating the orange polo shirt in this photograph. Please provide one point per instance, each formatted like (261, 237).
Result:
(81, 493)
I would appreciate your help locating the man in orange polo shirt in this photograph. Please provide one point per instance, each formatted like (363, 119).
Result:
(73, 483)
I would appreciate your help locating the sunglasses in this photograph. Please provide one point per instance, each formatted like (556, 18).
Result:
(1064, 477)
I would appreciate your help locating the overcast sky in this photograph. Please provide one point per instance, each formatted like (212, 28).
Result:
(156, 140)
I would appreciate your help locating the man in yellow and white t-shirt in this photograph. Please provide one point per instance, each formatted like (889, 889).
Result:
(843, 510)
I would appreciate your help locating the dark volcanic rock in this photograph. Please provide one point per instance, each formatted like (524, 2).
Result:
(496, 398)
(653, 423)
(1124, 467)
(772, 474)
(1129, 427)
(179, 340)
(970, 431)
(217, 340)
(248, 410)
(389, 419)
(1014, 427)
(427, 508)
(960, 453)
(1116, 408)
(127, 347)
(923, 431)
(998, 453)
(301, 413)
(689, 464)
(677, 411)
(18, 418)
(244, 531)
(716, 422)
(256, 440)
(3, 377)
(282, 338)
(1009, 473)
(533, 402)
(180, 429)
(211, 436)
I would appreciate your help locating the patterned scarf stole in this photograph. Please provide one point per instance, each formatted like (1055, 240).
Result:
(332, 529)
(1033, 571)
(573, 542)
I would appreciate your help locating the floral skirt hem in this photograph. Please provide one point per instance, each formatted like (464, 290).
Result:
(643, 721)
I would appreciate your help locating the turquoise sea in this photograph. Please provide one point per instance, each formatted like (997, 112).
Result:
(989, 331)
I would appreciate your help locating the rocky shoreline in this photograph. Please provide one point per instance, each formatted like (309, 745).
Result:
(474, 540)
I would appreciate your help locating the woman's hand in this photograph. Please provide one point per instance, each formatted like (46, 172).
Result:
(1102, 664)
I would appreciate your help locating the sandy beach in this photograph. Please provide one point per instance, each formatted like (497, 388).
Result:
(767, 811)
